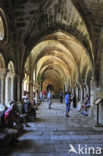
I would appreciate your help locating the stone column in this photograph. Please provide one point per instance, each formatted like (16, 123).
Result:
(81, 93)
(93, 108)
(23, 88)
(31, 89)
(27, 88)
(18, 91)
(12, 87)
(92, 92)
(19, 88)
(6, 90)
(87, 89)
(77, 92)
(3, 89)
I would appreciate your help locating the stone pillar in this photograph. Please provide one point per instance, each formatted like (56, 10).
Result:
(18, 91)
(93, 108)
(92, 92)
(12, 87)
(87, 89)
(31, 89)
(3, 89)
(6, 90)
(19, 88)
(77, 92)
(27, 88)
(84, 92)
(23, 88)
(81, 93)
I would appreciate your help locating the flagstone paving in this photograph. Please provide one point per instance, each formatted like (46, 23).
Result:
(52, 133)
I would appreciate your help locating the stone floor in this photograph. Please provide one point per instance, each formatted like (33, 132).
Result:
(52, 133)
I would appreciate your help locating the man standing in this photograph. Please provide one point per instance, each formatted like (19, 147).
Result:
(50, 99)
(67, 102)
(44, 94)
(61, 97)
(26, 102)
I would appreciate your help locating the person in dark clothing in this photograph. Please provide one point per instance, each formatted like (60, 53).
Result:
(74, 100)
(61, 97)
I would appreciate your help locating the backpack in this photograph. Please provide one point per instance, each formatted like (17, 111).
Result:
(7, 116)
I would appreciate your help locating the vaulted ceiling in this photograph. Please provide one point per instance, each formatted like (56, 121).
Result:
(67, 30)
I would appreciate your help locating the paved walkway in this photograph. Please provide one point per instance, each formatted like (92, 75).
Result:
(52, 133)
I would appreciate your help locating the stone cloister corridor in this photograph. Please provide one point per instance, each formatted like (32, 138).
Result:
(52, 45)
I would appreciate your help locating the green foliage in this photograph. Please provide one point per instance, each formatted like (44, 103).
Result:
(39, 79)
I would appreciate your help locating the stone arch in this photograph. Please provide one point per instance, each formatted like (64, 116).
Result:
(2, 62)
(45, 38)
(11, 67)
(67, 30)
(3, 27)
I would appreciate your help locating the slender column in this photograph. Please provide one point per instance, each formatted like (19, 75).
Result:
(3, 88)
(19, 88)
(77, 92)
(92, 84)
(85, 92)
(81, 93)
(87, 89)
(6, 90)
(22, 88)
(31, 89)
(27, 89)
(12, 87)
(18, 91)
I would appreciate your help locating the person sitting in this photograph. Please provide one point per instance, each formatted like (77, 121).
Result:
(29, 109)
(85, 105)
(13, 119)
(10, 116)
(2, 120)
(26, 102)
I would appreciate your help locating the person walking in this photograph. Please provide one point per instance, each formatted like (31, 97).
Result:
(50, 96)
(26, 102)
(61, 97)
(36, 98)
(67, 102)
(41, 96)
(44, 94)
(74, 100)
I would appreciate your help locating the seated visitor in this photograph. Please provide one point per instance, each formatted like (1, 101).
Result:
(18, 120)
(85, 105)
(26, 102)
(10, 116)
